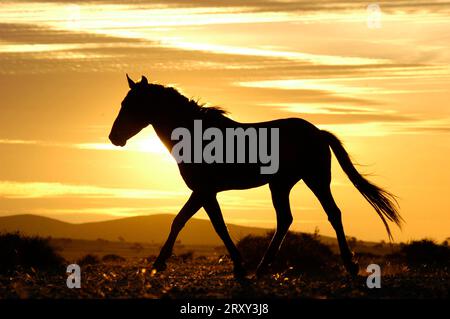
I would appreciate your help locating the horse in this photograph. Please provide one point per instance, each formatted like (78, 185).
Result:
(304, 154)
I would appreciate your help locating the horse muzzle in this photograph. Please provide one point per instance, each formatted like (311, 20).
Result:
(117, 141)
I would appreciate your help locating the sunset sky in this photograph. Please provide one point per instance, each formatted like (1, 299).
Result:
(383, 88)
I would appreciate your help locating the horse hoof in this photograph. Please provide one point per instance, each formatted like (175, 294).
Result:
(353, 269)
(158, 266)
(239, 272)
(261, 271)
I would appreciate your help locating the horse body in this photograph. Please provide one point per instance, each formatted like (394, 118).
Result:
(295, 155)
(304, 153)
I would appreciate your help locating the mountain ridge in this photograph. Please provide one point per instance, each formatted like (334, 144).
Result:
(146, 229)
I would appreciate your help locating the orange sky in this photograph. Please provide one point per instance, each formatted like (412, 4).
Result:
(384, 91)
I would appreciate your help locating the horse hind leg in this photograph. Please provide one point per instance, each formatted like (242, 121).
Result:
(321, 188)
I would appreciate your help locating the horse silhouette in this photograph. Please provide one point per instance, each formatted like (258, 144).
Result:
(304, 154)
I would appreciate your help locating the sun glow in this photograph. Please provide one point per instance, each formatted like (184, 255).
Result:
(147, 142)
(383, 91)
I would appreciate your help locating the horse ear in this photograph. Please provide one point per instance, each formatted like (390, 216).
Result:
(144, 80)
(131, 83)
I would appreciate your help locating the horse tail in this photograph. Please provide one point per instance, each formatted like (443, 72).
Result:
(384, 203)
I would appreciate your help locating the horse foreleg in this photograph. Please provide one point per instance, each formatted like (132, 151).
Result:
(280, 199)
(212, 208)
(189, 209)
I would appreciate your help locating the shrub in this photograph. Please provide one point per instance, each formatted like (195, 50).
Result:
(113, 258)
(424, 253)
(136, 246)
(299, 252)
(189, 255)
(150, 259)
(17, 250)
(88, 259)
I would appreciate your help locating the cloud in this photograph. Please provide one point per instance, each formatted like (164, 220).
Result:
(91, 16)
(101, 37)
(337, 86)
(430, 126)
(385, 128)
(334, 114)
(125, 26)
(289, 55)
(437, 129)
(39, 34)
(51, 190)
(286, 6)
(31, 142)
(150, 144)
(103, 213)
(147, 144)
(329, 109)
(70, 200)
(355, 120)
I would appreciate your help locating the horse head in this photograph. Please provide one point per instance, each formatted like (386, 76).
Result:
(133, 115)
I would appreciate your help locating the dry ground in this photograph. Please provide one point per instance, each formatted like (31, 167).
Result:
(210, 277)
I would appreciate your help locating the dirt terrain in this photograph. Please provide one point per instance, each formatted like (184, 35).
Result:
(210, 277)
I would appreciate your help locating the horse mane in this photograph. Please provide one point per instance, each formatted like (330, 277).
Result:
(189, 105)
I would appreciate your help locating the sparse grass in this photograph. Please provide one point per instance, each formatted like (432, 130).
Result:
(88, 259)
(35, 252)
(207, 278)
(189, 255)
(150, 259)
(299, 253)
(211, 276)
(113, 258)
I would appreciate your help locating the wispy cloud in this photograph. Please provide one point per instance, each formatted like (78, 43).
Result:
(343, 89)
(261, 52)
(10, 189)
(322, 113)
(31, 142)
(102, 213)
(104, 37)
(385, 128)
(146, 144)
(300, 6)
(139, 144)
(93, 17)
(319, 108)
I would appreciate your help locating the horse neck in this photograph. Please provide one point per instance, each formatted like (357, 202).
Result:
(177, 114)
(172, 118)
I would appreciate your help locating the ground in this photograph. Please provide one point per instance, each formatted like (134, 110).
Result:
(211, 277)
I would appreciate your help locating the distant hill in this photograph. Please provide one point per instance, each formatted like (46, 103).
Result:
(145, 229)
